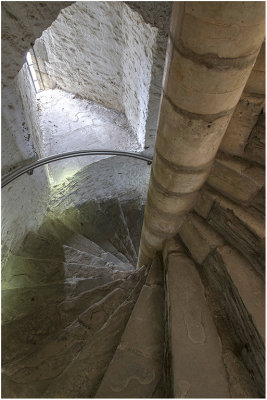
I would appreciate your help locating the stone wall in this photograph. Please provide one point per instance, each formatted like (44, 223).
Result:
(225, 236)
(30, 106)
(24, 201)
(102, 51)
(156, 14)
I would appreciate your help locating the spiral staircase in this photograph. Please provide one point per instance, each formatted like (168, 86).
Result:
(79, 320)
(72, 298)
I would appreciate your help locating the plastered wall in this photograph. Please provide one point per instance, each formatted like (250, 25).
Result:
(23, 202)
(103, 51)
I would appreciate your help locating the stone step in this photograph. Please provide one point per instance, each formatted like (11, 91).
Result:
(236, 293)
(88, 221)
(241, 124)
(136, 367)
(199, 238)
(114, 212)
(201, 241)
(236, 179)
(196, 353)
(259, 202)
(243, 230)
(238, 289)
(255, 148)
(100, 225)
(249, 284)
(53, 313)
(95, 355)
(20, 302)
(133, 211)
(19, 272)
(58, 352)
(39, 246)
(72, 255)
(53, 225)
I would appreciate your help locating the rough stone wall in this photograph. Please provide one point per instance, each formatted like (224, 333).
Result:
(16, 141)
(24, 201)
(22, 23)
(156, 14)
(29, 100)
(102, 51)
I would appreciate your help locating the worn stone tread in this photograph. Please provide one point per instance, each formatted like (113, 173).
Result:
(94, 357)
(197, 365)
(113, 210)
(236, 179)
(72, 255)
(249, 284)
(53, 225)
(231, 306)
(136, 367)
(199, 238)
(243, 230)
(133, 211)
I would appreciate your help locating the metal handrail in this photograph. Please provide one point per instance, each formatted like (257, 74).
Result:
(42, 161)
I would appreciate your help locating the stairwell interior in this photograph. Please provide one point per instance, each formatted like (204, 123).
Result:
(121, 279)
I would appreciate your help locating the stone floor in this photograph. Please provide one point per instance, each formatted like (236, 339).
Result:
(70, 123)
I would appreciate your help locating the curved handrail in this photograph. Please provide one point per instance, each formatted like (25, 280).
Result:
(42, 161)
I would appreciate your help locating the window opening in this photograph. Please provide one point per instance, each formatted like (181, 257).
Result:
(32, 62)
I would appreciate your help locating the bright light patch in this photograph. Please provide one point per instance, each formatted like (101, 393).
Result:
(32, 70)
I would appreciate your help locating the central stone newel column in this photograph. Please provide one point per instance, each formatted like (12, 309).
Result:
(211, 50)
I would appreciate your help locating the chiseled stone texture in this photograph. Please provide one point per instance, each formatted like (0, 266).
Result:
(156, 14)
(199, 237)
(201, 240)
(242, 122)
(234, 318)
(197, 364)
(136, 367)
(236, 179)
(239, 226)
(102, 51)
(249, 285)
(24, 200)
(30, 106)
(22, 23)
(255, 149)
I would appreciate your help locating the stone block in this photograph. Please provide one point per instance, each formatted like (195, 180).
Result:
(136, 367)
(175, 179)
(243, 230)
(196, 353)
(255, 149)
(187, 141)
(237, 180)
(249, 284)
(155, 275)
(204, 202)
(235, 320)
(170, 204)
(19, 272)
(199, 238)
(200, 89)
(162, 224)
(242, 122)
(256, 83)
(259, 201)
(221, 29)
